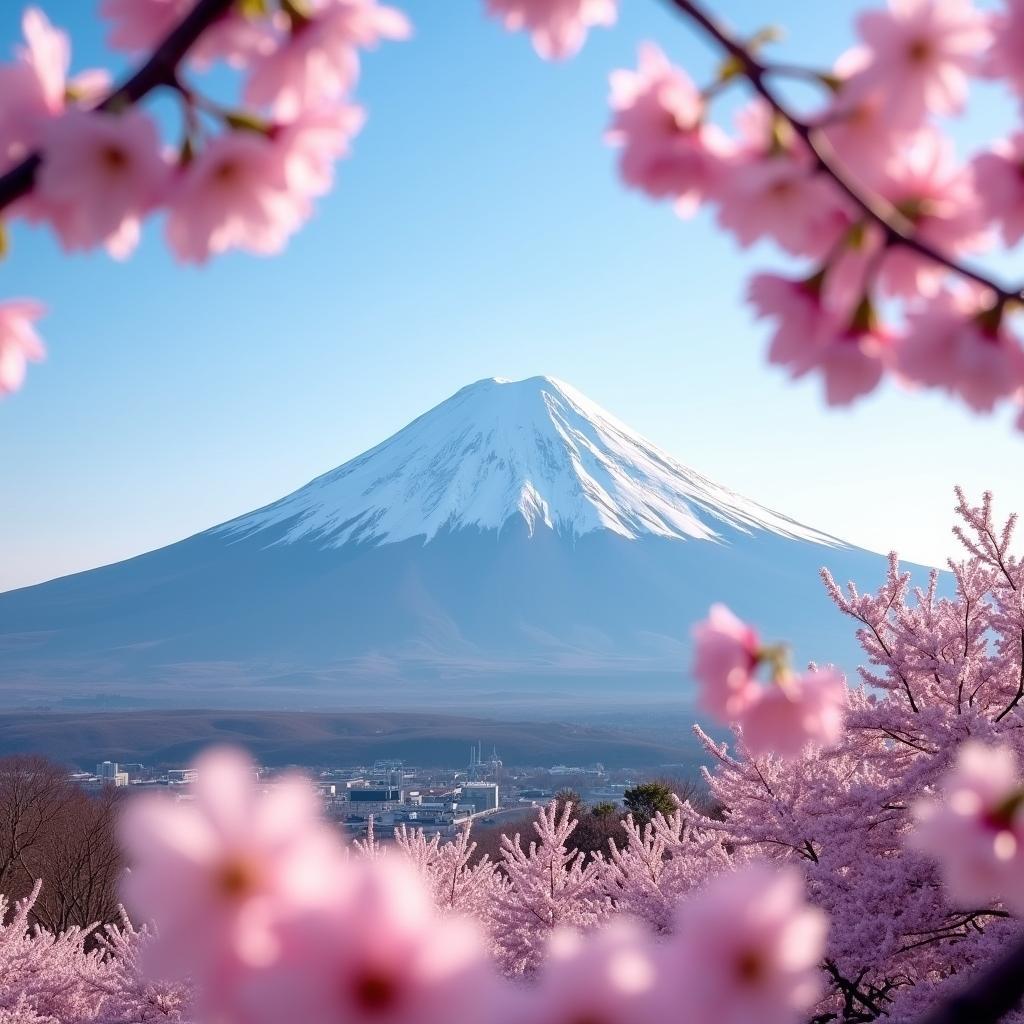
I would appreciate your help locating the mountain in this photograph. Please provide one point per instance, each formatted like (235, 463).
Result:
(516, 544)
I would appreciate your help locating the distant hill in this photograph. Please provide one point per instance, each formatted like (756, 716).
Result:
(302, 738)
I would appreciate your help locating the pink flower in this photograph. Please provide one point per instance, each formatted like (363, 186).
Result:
(1003, 59)
(140, 25)
(558, 28)
(317, 59)
(19, 343)
(999, 184)
(956, 343)
(34, 88)
(310, 144)
(101, 174)
(251, 190)
(609, 976)
(975, 830)
(801, 316)
(852, 362)
(778, 197)
(794, 712)
(810, 335)
(667, 149)
(234, 194)
(376, 953)
(746, 948)
(726, 652)
(920, 53)
(939, 200)
(218, 874)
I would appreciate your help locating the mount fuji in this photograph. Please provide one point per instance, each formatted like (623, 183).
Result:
(515, 543)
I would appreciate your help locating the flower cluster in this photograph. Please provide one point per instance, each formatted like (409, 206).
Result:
(234, 178)
(865, 188)
(781, 717)
(261, 908)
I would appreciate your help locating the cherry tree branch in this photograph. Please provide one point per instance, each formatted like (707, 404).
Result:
(895, 227)
(159, 69)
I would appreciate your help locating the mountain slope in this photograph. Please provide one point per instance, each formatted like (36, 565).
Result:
(514, 544)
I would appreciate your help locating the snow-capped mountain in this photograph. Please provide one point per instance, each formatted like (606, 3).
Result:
(513, 543)
(498, 450)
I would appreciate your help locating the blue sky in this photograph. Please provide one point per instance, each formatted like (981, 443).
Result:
(478, 231)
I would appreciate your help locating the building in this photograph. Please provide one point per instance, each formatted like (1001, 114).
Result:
(181, 775)
(366, 800)
(109, 773)
(482, 796)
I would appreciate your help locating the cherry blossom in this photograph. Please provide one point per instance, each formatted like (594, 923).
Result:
(612, 977)
(746, 948)
(726, 653)
(316, 58)
(35, 86)
(938, 197)
(1003, 57)
(101, 174)
(920, 53)
(964, 346)
(976, 830)
(999, 184)
(558, 28)
(793, 712)
(668, 150)
(19, 343)
(217, 874)
(376, 952)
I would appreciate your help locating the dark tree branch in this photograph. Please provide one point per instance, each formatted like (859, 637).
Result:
(158, 70)
(894, 226)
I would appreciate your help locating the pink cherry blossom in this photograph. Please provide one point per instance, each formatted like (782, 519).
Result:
(939, 200)
(999, 184)
(558, 28)
(33, 86)
(311, 143)
(812, 336)
(955, 343)
(793, 712)
(855, 122)
(781, 198)
(101, 174)
(1003, 59)
(668, 150)
(851, 362)
(801, 316)
(140, 25)
(976, 829)
(376, 953)
(726, 652)
(233, 194)
(19, 343)
(217, 873)
(746, 948)
(920, 53)
(611, 976)
(317, 59)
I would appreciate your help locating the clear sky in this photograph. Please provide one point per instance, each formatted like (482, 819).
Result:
(478, 231)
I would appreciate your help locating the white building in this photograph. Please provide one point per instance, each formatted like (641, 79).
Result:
(482, 796)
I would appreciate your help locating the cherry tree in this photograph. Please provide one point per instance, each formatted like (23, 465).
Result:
(546, 886)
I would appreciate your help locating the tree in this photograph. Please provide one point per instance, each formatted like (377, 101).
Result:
(647, 800)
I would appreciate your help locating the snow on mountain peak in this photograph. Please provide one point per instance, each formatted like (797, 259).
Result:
(536, 449)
